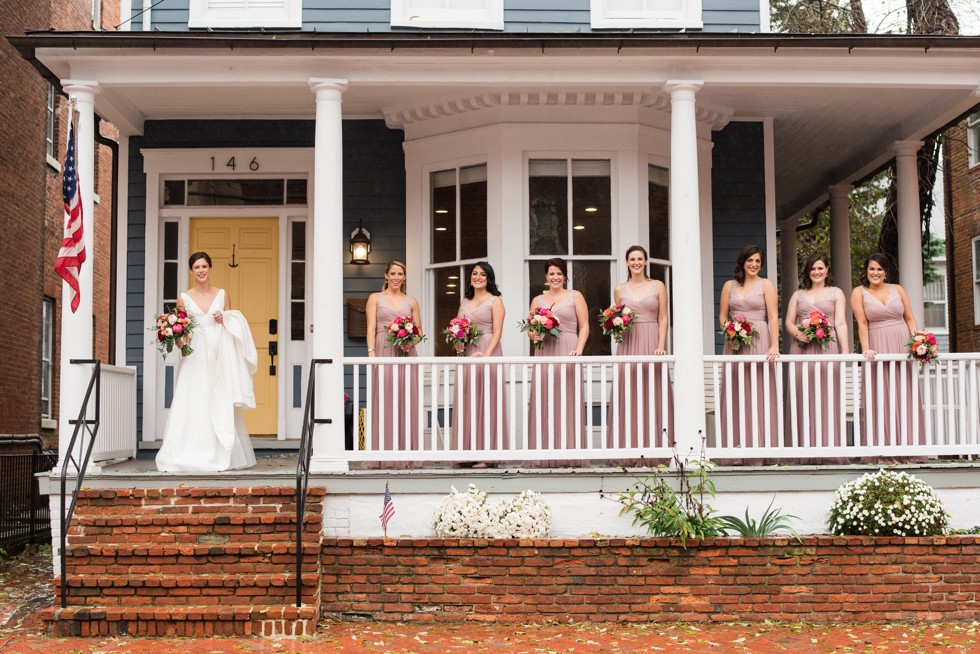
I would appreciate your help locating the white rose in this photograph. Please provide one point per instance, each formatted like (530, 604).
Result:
(618, 321)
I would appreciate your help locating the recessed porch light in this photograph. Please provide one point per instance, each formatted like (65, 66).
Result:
(579, 227)
(591, 209)
(442, 210)
(440, 229)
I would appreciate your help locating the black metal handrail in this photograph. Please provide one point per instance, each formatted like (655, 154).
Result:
(303, 469)
(92, 427)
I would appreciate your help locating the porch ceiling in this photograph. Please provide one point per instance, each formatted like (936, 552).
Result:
(836, 107)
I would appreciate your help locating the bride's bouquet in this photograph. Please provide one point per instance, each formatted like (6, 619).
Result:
(404, 334)
(738, 332)
(542, 321)
(616, 320)
(460, 333)
(173, 329)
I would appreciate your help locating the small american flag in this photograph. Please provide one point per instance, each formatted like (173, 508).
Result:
(387, 510)
(72, 253)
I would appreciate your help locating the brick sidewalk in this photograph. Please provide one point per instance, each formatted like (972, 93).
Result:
(355, 638)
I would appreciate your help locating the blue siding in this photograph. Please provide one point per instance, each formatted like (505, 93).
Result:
(738, 197)
(534, 16)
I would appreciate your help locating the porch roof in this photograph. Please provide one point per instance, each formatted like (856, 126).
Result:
(837, 102)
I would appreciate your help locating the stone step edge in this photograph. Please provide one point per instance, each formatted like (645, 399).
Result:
(237, 613)
(198, 492)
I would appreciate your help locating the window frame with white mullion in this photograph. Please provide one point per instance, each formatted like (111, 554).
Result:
(238, 14)
(973, 139)
(605, 15)
(488, 17)
(975, 246)
(48, 307)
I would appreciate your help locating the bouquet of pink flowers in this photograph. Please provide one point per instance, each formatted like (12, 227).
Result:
(404, 334)
(461, 333)
(817, 329)
(922, 347)
(174, 329)
(616, 320)
(738, 332)
(543, 321)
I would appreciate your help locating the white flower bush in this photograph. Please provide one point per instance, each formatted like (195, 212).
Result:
(888, 503)
(469, 515)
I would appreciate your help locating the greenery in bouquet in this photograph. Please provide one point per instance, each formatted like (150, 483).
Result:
(888, 503)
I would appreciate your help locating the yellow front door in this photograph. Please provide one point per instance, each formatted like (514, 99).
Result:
(245, 256)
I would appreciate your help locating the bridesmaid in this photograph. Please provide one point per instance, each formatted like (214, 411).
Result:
(573, 323)
(484, 308)
(885, 321)
(648, 299)
(818, 294)
(754, 298)
(381, 309)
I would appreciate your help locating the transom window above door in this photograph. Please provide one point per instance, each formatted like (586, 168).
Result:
(223, 192)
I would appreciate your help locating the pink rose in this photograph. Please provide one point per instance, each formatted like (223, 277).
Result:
(806, 323)
(549, 323)
(402, 333)
(821, 333)
(178, 328)
(626, 320)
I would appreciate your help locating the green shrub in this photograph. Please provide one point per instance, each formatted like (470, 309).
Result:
(888, 503)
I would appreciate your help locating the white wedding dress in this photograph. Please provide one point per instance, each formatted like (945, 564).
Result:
(205, 430)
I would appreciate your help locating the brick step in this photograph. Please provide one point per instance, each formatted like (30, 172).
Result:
(232, 620)
(190, 529)
(261, 589)
(232, 559)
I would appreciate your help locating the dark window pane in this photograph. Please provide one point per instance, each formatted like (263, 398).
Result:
(299, 241)
(591, 207)
(173, 192)
(473, 212)
(170, 280)
(659, 201)
(591, 279)
(296, 191)
(935, 315)
(444, 216)
(170, 241)
(548, 206)
(231, 192)
(536, 280)
(297, 321)
(448, 291)
(297, 290)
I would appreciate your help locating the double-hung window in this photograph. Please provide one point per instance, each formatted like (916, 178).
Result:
(47, 361)
(973, 139)
(976, 281)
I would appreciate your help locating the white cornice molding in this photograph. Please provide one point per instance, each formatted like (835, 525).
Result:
(399, 117)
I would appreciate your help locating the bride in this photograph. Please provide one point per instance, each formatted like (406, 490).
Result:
(206, 431)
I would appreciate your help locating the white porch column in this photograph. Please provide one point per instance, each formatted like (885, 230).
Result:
(840, 242)
(685, 255)
(910, 226)
(76, 328)
(327, 297)
(789, 262)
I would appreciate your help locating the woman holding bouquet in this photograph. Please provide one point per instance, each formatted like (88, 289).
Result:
(394, 387)
(557, 426)
(884, 318)
(816, 320)
(480, 393)
(205, 429)
(751, 297)
(643, 423)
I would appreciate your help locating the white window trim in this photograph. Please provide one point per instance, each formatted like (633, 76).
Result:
(491, 17)
(973, 140)
(975, 247)
(97, 15)
(688, 17)
(48, 308)
(290, 15)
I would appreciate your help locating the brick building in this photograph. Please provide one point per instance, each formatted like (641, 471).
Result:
(963, 233)
(33, 116)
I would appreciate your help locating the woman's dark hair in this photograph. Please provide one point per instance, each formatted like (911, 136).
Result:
(882, 260)
(491, 280)
(631, 250)
(199, 255)
(808, 266)
(558, 263)
(743, 256)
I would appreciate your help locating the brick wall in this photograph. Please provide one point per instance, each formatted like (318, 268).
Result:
(817, 579)
(963, 189)
(32, 215)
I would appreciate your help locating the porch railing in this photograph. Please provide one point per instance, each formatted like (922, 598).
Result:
(117, 433)
(568, 409)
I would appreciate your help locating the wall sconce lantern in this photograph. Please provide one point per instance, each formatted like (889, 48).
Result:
(360, 245)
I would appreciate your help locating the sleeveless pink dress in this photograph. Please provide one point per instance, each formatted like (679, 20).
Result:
(888, 334)
(398, 378)
(739, 393)
(554, 383)
(829, 390)
(646, 382)
(473, 408)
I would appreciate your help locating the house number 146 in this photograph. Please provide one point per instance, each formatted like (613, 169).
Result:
(253, 165)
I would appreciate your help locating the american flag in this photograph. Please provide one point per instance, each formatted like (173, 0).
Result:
(72, 253)
(387, 510)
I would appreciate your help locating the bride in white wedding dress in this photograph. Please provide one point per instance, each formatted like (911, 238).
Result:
(205, 430)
